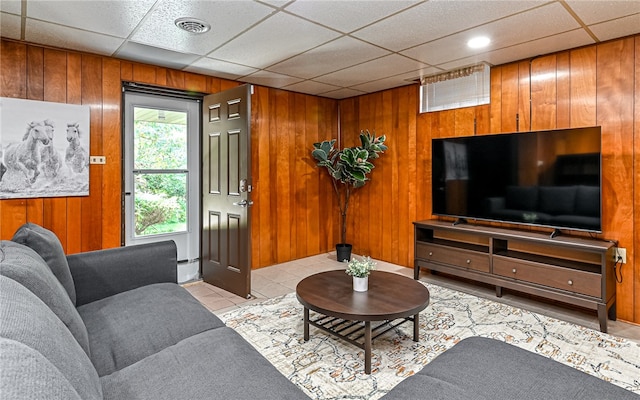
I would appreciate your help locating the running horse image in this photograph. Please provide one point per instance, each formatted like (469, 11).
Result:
(76, 156)
(25, 156)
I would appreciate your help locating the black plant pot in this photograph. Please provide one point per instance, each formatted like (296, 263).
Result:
(343, 252)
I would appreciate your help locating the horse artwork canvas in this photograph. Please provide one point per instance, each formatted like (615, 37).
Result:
(44, 149)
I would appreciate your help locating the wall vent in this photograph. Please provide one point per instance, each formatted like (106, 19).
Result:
(464, 87)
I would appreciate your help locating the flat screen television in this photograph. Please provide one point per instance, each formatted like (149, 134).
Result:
(542, 178)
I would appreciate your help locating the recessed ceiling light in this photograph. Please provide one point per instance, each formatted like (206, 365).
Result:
(479, 42)
(192, 25)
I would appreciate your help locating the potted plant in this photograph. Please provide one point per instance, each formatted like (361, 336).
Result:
(348, 169)
(360, 270)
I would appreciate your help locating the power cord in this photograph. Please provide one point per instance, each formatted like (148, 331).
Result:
(615, 269)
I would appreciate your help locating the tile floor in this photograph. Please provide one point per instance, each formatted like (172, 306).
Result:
(282, 278)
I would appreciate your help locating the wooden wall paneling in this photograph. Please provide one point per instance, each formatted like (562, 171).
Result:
(13, 80)
(126, 71)
(213, 85)
(299, 177)
(161, 76)
(563, 90)
(495, 105)
(544, 93)
(308, 173)
(143, 73)
(55, 89)
(328, 219)
(282, 175)
(636, 184)
(583, 86)
(483, 120)
(74, 204)
(35, 91)
(406, 109)
(510, 98)
(524, 96)
(195, 82)
(615, 63)
(92, 205)
(464, 121)
(260, 212)
(392, 171)
(423, 167)
(112, 150)
(175, 79)
(13, 83)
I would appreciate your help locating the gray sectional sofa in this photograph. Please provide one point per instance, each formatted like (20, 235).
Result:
(113, 324)
(570, 206)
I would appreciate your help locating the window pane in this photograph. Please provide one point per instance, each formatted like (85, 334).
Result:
(160, 203)
(160, 139)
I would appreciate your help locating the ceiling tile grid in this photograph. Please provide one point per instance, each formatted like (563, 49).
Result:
(330, 48)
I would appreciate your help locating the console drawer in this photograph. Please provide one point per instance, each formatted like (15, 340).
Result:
(549, 275)
(453, 256)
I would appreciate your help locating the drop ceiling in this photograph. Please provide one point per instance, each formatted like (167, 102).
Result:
(334, 49)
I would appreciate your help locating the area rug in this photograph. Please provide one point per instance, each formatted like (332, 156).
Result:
(328, 368)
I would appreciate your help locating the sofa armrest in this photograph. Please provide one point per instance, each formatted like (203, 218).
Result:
(103, 273)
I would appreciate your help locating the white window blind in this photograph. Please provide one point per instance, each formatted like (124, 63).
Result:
(462, 91)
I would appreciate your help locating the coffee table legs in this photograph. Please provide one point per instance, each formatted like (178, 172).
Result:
(306, 324)
(416, 328)
(367, 347)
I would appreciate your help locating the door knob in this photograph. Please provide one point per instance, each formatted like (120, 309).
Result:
(243, 203)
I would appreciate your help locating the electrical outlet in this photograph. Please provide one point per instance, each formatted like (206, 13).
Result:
(97, 160)
(620, 252)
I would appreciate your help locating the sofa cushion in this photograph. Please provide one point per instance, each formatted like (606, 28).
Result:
(28, 375)
(522, 197)
(48, 246)
(483, 368)
(216, 364)
(588, 201)
(27, 320)
(557, 200)
(129, 326)
(26, 267)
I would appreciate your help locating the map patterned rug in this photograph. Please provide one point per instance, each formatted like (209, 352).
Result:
(328, 368)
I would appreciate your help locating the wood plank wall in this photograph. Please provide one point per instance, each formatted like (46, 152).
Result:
(588, 86)
(290, 204)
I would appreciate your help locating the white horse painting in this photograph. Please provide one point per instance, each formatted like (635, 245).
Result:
(50, 159)
(76, 156)
(25, 156)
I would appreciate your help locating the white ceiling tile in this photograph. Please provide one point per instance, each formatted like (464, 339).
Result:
(221, 69)
(436, 19)
(69, 38)
(381, 84)
(11, 6)
(346, 16)
(591, 12)
(341, 53)
(563, 41)
(152, 55)
(311, 87)
(266, 78)
(342, 93)
(279, 37)
(616, 28)
(227, 19)
(117, 18)
(541, 22)
(372, 70)
(10, 26)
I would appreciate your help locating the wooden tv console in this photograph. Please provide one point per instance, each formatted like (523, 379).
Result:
(567, 269)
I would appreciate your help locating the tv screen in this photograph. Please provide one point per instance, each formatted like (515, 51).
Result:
(542, 178)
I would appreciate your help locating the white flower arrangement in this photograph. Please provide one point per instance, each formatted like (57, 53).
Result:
(360, 268)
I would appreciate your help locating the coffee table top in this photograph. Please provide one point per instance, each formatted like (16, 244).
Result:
(390, 296)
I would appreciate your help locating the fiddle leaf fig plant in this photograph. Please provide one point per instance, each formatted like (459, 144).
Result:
(348, 167)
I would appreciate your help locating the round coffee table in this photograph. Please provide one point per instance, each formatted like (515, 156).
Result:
(390, 297)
